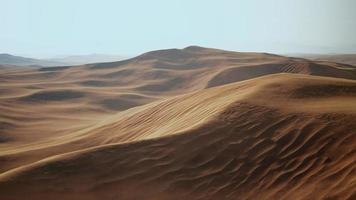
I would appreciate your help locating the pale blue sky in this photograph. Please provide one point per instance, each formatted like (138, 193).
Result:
(42, 28)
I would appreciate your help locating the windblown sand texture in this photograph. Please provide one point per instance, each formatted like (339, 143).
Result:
(193, 123)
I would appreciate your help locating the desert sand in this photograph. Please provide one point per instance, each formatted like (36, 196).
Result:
(193, 123)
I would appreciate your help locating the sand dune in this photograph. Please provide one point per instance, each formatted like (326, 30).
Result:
(194, 123)
(238, 148)
(89, 92)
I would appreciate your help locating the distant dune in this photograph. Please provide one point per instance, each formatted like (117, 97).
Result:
(193, 123)
(85, 59)
(349, 59)
(8, 59)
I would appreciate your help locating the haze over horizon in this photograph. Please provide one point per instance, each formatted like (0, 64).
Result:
(35, 27)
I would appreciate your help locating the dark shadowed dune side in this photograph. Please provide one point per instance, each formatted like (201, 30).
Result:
(54, 68)
(59, 95)
(236, 74)
(96, 83)
(125, 101)
(327, 90)
(110, 64)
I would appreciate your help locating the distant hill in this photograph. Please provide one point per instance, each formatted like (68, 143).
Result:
(349, 59)
(8, 59)
(85, 59)
(342, 58)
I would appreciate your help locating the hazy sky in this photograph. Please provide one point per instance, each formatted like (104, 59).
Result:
(43, 28)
